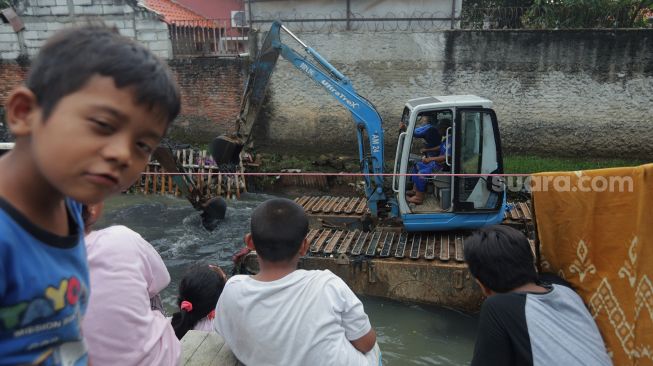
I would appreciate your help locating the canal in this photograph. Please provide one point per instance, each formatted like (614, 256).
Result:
(408, 334)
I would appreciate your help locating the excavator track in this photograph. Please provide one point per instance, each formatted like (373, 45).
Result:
(443, 247)
(356, 207)
(385, 261)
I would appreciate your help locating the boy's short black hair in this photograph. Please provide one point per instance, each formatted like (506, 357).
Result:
(72, 56)
(500, 257)
(278, 229)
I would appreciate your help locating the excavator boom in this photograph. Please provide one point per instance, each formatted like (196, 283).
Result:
(368, 121)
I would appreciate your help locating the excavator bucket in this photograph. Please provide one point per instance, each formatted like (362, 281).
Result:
(225, 149)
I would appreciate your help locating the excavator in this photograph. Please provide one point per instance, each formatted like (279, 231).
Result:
(465, 200)
(421, 259)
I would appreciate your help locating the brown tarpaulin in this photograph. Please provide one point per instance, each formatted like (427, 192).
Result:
(596, 231)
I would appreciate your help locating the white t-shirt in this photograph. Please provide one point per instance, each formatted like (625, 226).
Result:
(304, 318)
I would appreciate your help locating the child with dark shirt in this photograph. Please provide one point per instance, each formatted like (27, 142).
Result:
(525, 321)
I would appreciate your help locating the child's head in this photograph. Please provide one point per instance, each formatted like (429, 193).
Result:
(199, 291)
(500, 258)
(278, 229)
(70, 58)
(93, 108)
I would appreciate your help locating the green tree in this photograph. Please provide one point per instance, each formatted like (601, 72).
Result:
(586, 13)
(5, 4)
(555, 14)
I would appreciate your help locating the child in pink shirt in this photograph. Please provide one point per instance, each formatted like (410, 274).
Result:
(120, 327)
(199, 291)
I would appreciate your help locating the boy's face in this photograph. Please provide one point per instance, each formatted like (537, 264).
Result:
(96, 140)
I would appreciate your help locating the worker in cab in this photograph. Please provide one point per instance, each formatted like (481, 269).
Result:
(434, 159)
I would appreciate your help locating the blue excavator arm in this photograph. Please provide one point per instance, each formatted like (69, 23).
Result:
(367, 119)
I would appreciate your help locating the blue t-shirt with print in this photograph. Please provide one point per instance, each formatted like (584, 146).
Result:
(43, 290)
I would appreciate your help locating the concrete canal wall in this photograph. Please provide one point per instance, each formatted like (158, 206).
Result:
(570, 92)
(562, 92)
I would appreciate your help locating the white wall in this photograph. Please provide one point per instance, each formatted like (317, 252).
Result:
(330, 9)
(42, 18)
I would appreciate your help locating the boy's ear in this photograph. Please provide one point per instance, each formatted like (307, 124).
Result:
(304, 248)
(249, 241)
(22, 108)
(486, 291)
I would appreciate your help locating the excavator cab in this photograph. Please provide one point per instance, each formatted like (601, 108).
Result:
(463, 191)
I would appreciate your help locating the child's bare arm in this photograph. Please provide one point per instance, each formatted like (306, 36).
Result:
(365, 343)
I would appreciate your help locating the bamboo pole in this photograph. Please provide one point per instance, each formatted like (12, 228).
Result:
(242, 174)
(237, 183)
(147, 179)
(163, 182)
(219, 184)
(154, 177)
(228, 187)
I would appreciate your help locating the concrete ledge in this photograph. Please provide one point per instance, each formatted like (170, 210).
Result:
(206, 349)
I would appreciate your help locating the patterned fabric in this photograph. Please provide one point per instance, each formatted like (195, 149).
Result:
(596, 231)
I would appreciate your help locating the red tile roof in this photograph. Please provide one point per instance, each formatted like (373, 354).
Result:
(213, 9)
(178, 15)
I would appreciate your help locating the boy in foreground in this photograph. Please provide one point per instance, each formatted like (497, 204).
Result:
(524, 321)
(93, 108)
(287, 316)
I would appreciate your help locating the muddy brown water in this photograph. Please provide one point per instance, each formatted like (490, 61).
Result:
(408, 334)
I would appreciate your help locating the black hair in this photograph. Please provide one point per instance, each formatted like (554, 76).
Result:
(444, 123)
(201, 286)
(72, 56)
(500, 257)
(278, 229)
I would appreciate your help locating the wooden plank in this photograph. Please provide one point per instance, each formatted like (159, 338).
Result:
(531, 242)
(311, 202)
(302, 200)
(315, 248)
(328, 207)
(444, 247)
(352, 204)
(458, 248)
(374, 242)
(328, 249)
(311, 235)
(359, 243)
(401, 245)
(362, 205)
(415, 246)
(340, 207)
(429, 252)
(514, 212)
(526, 210)
(346, 242)
(387, 244)
(320, 203)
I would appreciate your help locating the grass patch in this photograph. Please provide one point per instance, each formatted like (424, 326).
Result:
(526, 164)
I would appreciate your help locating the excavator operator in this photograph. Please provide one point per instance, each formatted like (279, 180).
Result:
(433, 160)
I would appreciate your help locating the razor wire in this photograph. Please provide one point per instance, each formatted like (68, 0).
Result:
(470, 17)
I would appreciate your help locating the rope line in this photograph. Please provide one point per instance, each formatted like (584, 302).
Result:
(340, 174)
